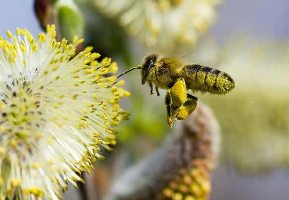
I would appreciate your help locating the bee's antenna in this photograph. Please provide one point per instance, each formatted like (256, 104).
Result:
(133, 68)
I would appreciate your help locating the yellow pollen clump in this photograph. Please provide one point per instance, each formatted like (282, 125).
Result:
(120, 83)
(113, 67)
(35, 165)
(15, 183)
(38, 192)
(9, 34)
(42, 37)
(106, 61)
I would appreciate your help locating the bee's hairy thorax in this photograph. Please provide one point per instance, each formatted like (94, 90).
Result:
(165, 76)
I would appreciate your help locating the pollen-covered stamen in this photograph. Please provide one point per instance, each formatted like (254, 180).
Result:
(21, 117)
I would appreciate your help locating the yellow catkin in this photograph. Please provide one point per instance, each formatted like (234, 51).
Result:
(63, 99)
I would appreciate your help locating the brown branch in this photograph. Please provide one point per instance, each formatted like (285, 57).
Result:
(82, 188)
(180, 168)
(44, 12)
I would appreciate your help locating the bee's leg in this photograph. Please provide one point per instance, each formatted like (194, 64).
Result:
(151, 86)
(157, 90)
(189, 96)
(179, 93)
(187, 108)
(168, 102)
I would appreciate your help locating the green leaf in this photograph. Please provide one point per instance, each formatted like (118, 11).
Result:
(71, 22)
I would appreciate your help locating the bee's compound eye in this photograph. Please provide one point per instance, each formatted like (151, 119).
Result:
(148, 64)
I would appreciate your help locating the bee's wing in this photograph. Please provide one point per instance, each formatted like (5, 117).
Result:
(173, 63)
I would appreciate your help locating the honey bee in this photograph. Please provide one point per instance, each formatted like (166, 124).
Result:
(177, 78)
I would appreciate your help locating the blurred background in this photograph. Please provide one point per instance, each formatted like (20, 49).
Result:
(246, 38)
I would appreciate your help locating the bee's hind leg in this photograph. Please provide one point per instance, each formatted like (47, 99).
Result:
(157, 90)
(189, 96)
(179, 93)
(187, 108)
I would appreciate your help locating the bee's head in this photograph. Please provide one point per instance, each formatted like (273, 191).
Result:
(147, 65)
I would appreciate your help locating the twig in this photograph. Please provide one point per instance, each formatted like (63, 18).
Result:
(180, 168)
(82, 188)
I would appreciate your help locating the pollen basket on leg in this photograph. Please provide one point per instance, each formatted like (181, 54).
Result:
(57, 109)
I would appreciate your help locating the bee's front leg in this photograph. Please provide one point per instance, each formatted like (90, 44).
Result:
(152, 88)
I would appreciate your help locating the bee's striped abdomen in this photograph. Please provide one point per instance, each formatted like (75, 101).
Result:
(207, 79)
